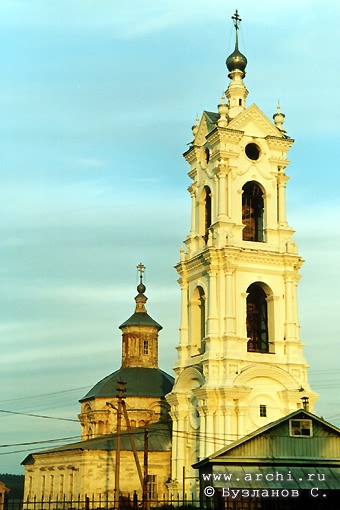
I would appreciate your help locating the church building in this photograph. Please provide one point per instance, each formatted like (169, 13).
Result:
(240, 357)
(240, 361)
(135, 392)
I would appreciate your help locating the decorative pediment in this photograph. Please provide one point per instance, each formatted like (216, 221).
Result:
(255, 123)
(206, 125)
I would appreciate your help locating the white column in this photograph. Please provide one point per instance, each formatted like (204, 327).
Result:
(281, 210)
(289, 304)
(229, 194)
(230, 314)
(184, 324)
(180, 444)
(192, 190)
(212, 305)
(202, 430)
(296, 318)
(241, 421)
(174, 446)
(221, 302)
(210, 434)
(222, 193)
(228, 426)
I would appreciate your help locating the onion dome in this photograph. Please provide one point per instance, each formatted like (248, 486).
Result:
(141, 317)
(236, 61)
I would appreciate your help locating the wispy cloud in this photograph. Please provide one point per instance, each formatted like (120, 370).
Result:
(91, 163)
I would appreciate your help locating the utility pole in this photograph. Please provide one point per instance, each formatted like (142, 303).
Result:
(120, 391)
(122, 411)
(133, 444)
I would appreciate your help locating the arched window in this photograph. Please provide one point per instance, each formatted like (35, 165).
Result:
(100, 428)
(198, 316)
(207, 212)
(252, 212)
(257, 319)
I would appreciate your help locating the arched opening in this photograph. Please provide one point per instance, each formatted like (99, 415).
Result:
(257, 319)
(198, 318)
(252, 212)
(207, 212)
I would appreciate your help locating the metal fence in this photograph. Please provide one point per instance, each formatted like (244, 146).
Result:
(99, 503)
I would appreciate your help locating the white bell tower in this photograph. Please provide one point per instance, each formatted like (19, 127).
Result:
(240, 358)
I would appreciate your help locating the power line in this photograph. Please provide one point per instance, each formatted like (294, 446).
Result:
(38, 416)
(40, 395)
(38, 442)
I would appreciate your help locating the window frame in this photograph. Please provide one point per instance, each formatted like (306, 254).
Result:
(253, 212)
(257, 320)
(295, 427)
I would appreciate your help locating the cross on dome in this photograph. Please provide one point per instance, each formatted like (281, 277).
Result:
(141, 269)
(236, 18)
(236, 61)
(141, 287)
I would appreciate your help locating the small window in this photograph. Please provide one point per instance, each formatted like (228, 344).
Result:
(146, 347)
(206, 156)
(152, 487)
(240, 102)
(301, 428)
(198, 319)
(263, 411)
(252, 151)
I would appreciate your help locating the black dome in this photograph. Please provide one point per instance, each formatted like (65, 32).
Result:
(140, 382)
(236, 61)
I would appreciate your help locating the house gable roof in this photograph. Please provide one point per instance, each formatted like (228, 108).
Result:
(278, 430)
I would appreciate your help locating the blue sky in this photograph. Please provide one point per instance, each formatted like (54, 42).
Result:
(97, 101)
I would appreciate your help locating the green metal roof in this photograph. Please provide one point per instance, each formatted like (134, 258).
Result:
(211, 118)
(276, 477)
(159, 440)
(141, 319)
(140, 382)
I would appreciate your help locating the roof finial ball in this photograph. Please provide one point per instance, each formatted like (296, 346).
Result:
(279, 118)
(195, 127)
(236, 61)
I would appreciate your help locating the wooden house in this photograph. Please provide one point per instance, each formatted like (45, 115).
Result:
(292, 463)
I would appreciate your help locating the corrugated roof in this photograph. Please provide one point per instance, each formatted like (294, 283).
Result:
(276, 477)
(140, 382)
(259, 449)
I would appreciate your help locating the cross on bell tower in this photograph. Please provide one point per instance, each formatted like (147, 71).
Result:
(236, 18)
